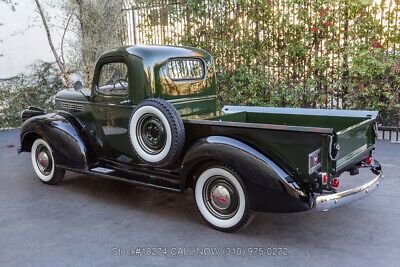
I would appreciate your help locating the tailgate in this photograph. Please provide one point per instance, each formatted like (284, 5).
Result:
(355, 142)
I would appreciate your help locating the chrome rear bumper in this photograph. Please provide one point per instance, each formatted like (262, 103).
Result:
(326, 202)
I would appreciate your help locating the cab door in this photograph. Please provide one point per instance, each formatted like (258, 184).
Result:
(112, 107)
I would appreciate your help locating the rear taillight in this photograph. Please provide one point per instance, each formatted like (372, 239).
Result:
(324, 177)
(335, 182)
(368, 160)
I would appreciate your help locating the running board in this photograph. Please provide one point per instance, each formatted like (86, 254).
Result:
(102, 170)
(131, 177)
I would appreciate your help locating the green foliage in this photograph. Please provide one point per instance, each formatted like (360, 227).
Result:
(100, 27)
(313, 53)
(34, 89)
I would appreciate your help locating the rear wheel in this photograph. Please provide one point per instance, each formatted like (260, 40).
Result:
(43, 163)
(221, 198)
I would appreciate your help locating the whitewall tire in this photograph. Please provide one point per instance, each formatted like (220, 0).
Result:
(156, 132)
(221, 198)
(43, 163)
(137, 143)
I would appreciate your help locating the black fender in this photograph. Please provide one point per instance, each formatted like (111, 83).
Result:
(65, 135)
(269, 188)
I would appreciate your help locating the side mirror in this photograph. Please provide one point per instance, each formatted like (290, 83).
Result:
(78, 85)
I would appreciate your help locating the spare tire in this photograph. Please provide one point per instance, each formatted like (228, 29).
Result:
(157, 132)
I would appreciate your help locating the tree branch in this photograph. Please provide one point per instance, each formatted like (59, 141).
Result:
(63, 37)
(60, 64)
(83, 36)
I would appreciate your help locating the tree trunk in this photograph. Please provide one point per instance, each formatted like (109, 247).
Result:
(83, 36)
(60, 64)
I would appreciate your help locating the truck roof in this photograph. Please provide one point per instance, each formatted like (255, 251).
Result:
(158, 52)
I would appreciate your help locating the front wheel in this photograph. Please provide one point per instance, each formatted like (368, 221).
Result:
(221, 199)
(43, 163)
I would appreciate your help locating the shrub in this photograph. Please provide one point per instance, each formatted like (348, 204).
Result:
(37, 88)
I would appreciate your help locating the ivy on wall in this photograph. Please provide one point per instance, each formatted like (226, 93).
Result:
(36, 88)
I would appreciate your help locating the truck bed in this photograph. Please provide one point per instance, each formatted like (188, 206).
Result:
(292, 134)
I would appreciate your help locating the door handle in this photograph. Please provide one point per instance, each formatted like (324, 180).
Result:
(126, 102)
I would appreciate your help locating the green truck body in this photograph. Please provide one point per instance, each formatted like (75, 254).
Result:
(303, 151)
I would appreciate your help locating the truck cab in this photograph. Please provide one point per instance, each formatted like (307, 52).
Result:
(124, 77)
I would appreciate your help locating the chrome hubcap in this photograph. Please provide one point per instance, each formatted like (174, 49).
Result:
(220, 197)
(43, 160)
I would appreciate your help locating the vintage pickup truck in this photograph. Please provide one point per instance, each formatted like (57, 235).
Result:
(151, 118)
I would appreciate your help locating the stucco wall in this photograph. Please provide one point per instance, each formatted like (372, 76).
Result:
(24, 38)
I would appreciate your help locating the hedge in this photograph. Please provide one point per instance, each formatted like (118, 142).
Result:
(293, 53)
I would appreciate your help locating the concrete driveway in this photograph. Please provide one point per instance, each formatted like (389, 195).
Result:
(93, 221)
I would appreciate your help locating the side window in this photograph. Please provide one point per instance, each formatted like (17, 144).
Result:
(113, 79)
(185, 69)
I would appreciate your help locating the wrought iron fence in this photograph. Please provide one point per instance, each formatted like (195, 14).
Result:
(148, 24)
(389, 133)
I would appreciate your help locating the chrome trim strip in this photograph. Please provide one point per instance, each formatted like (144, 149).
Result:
(331, 201)
(302, 111)
(355, 126)
(70, 106)
(190, 99)
(260, 126)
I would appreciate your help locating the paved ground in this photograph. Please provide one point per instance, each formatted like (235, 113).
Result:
(86, 220)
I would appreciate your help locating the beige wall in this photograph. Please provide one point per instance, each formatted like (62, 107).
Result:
(24, 38)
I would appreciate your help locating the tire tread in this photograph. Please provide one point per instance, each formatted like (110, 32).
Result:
(177, 126)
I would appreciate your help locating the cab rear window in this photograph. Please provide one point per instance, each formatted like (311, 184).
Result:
(185, 69)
